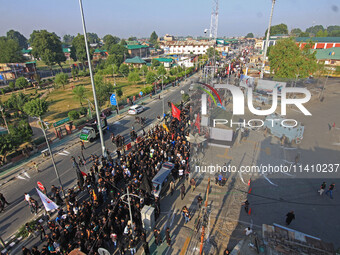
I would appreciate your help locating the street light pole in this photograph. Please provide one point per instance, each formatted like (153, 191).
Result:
(92, 81)
(267, 40)
(52, 158)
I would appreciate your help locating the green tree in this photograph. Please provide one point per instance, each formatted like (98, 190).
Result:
(304, 34)
(161, 70)
(154, 38)
(18, 37)
(114, 59)
(278, 29)
(144, 70)
(21, 83)
(321, 33)
(335, 33)
(36, 108)
(47, 46)
(67, 39)
(93, 38)
(61, 79)
(332, 28)
(314, 29)
(11, 85)
(110, 40)
(124, 70)
(73, 115)
(78, 50)
(250, 35)
(211, 52)
(10, 51)
(132, 38)
(155, 63)
(79, 93)
(118, 49)
(74, 73)
(119, 92)
(151, 77)
(295, 31)
(123, 42)
(17, 102)
(287, 60)
(103, 91)
(32, 36)
(133, 77)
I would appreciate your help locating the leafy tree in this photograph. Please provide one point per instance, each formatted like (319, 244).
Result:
(332, 28)
(335, 33)
(123, 42)
(155, 63)
(103, 91)
(118, 49)
(153, 38)
(61, 79)
(36, 108)
(110, 40)
(115, 69)
(321, 33)
(21, 83)
(278, 29)
(287, 60)
(47, 46)
(79, 93)
(11, 85)
(21, 132)
(78, 50)
(250, 35)
(32, 36)
(132, 38)
(124, 70)
(133, 77)
(18, 37)
(93, 38)
(295, 31)
(304, 34)
(114, 59)
(73, 115)
(17, 102)
(314, 29)
(119, 92)
(10, 51)
(151, 77)
(144, 70)
(74, 73)
(161, 70)
(67, 39)
(211, 51)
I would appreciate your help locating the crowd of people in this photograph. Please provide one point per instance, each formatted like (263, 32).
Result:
(102, 220)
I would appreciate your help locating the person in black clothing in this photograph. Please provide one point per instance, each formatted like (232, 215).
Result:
(3, 199)
(246, 206)
(167, 236)
(182, 191)
(290, 217)
(199, 201)
(330, 190)
(159, 237)
(26, 251)
(155, 234)
(146, 248)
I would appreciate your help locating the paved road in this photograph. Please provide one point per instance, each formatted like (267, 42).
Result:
(18, 212)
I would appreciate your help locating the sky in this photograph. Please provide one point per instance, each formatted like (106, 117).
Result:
(125, 18)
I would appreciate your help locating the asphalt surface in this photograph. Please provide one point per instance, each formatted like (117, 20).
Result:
(18, 212)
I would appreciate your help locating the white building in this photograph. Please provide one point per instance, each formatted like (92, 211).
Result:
(186, 47)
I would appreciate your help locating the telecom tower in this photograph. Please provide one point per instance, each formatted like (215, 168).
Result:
(214, 20)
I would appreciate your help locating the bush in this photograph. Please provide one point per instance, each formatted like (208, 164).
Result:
(11, 85)
(23, 231)
(147, 90)
(39, 140)
(3, 92)
(73, 115)
(79, 122)
(83, 111)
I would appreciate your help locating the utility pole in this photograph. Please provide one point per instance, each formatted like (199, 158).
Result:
(52, 158)
(92, 82)
(267, 40)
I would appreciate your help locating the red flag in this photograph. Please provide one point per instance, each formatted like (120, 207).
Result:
(175, 112)
(83, 174)
(198, 123)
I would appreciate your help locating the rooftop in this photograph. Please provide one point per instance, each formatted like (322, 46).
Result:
(331, 53)
(135, 46)
(169, 60)
(318, 39)
(135, 60)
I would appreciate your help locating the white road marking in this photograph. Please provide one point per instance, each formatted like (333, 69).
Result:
(240, 174)
(60, 153)
(66, 152)
(25, 173)
(20, 177)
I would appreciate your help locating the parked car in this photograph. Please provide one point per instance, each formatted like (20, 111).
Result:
(136, 109)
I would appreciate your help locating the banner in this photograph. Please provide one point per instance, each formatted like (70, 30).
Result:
(48, 203)
(175, 112)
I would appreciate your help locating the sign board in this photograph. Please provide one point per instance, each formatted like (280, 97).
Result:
(182, 92)
(41, 187)
(113, 99)
(60, 122)
(141, 93)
